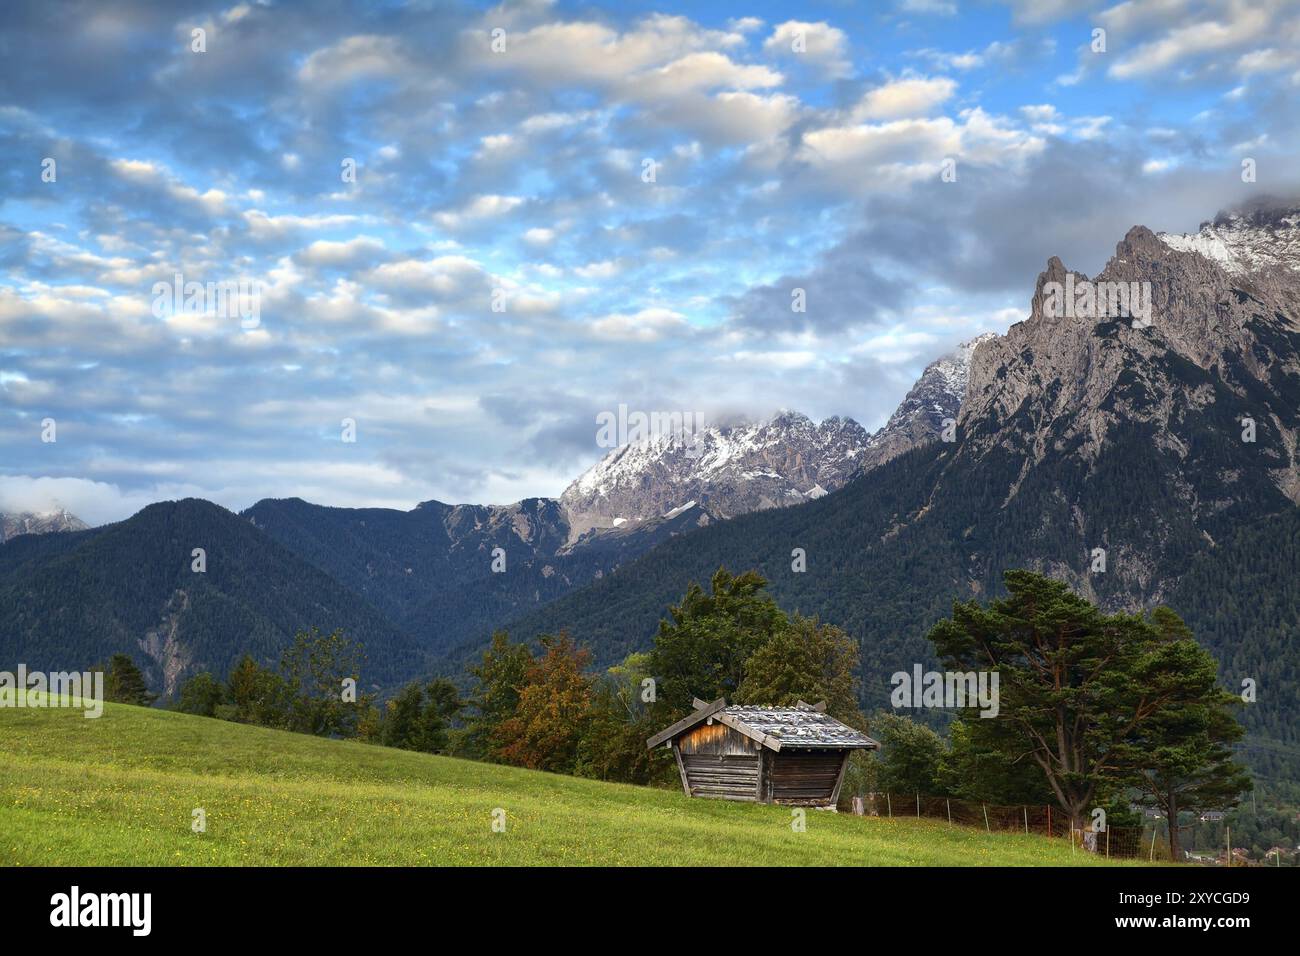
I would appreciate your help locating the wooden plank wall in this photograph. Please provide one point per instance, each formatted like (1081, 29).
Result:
(806, 777)
(718, 762)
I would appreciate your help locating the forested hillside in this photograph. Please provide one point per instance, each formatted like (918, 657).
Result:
(70, 600)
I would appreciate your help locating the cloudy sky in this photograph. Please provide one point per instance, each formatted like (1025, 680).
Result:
(556, 209)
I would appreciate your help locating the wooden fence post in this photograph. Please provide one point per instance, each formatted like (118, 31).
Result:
(918, 805)
(986, 818)
(948, 803)
(1026, 809)
(889, 805)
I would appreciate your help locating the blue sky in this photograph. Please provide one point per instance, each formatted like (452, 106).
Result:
(793, 147)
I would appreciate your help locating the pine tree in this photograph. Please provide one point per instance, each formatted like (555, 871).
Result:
(125, 684)
(1182, 756)
(1091, 699)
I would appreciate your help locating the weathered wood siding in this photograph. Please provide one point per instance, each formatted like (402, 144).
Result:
(805, 777)
(719, 740)
(719, 762)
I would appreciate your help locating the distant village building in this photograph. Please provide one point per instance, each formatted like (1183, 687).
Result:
(788, 755)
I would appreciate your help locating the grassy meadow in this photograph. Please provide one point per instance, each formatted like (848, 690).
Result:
(121, 790)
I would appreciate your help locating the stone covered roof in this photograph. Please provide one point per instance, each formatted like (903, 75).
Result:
(799, 727)
(773, 727)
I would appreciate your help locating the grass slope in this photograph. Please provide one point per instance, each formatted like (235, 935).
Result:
(121, 789)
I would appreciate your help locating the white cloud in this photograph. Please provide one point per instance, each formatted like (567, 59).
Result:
(909, 96)
(942, 8)
(824, 46)
(1241, 25)
(648, 325)
(606, 269)
(539, 236)
(556, 54)
(94, 502)
(324, 252)
(737, 117)
(446, 276)
(486, 206)
(264, 226)
(883, 156)
(702, 71)
(351, 59)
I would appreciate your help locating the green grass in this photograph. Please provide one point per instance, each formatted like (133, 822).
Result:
(121, 789)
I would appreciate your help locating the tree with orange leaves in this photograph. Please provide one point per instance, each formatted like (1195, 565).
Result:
(553, 711)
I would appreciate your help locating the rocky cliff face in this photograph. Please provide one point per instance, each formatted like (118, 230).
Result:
(1208, 394)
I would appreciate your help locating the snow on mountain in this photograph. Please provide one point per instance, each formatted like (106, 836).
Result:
(1246, 241)
(733, 469)
(721, 470)
(12, 525)
(936, 396)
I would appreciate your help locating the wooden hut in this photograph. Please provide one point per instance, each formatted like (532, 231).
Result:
(789, 755)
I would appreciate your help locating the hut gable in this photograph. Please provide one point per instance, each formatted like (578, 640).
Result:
(791, 755)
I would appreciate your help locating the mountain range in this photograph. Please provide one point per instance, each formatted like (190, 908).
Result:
(1143, 462)
(421, 583)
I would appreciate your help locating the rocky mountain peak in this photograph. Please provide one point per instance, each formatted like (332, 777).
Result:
(1220, 348)
(936, 397)
(28, 522)
(725, 470)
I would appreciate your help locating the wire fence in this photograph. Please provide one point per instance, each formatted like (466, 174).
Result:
(1198, 842)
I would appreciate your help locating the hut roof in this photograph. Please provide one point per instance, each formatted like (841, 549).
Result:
(774, 727)
(794, 726)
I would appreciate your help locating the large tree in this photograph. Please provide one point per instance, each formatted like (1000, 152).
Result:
(623, 715)
(499, 677)
(702, 648)
(553, 711)
(315, 668)
(974, 770)
(1077, 687)
(202, 694)
(808, 661)
(1182, 758)
(257, 695)
(911, 756)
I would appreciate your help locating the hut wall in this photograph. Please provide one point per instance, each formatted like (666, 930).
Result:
(718, 762)
(805, 777)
